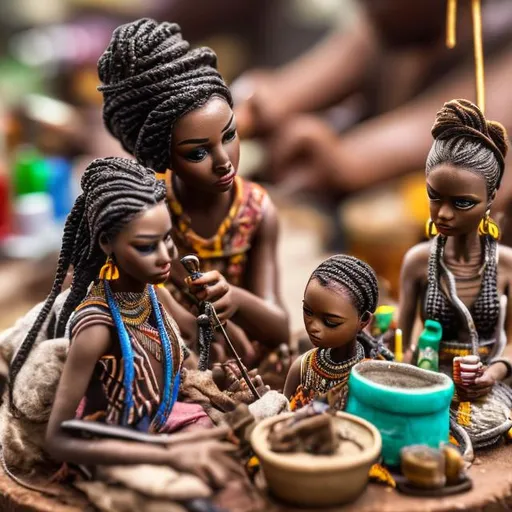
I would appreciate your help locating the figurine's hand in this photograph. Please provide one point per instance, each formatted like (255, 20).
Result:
(258, 109)
(481, 387)
(213, 287)
(228, 378)
(210, 460)
(302, 154)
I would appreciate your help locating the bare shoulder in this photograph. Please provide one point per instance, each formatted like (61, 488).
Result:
(163, 295)
(270, 219)
(505, 257)
(91, 343)
(415, 260)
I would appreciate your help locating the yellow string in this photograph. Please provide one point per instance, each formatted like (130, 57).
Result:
(476, 10)
(451, 23)
(451, 41)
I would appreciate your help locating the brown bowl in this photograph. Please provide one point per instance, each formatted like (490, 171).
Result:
(319, 480)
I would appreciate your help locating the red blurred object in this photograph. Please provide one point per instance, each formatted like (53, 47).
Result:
(5, 205)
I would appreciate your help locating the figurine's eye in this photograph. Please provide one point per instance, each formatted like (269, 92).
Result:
(229, 136)
(307, 311)
(464, 204)
(330, 323)
(145, 249)
(432, 196)
(197, 155)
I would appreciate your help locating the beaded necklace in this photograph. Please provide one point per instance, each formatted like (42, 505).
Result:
(139, 306)
(486, 308)
(322, 373)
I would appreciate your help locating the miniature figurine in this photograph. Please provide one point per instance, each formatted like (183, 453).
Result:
(340, 298)
(125, 358)
(459, 277)
(170, 108)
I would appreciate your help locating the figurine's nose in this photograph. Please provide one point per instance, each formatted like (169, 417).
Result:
(222, 163)
(445, 212)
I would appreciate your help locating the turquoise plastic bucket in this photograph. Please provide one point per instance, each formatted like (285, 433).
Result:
(407, 404)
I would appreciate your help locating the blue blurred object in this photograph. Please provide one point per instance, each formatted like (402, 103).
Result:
(60, 186)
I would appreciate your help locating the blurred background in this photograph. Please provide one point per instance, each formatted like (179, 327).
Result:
(322, 87)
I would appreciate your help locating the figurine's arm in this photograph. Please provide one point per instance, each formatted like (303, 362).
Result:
(339, 66)
(397, 142)
(260, 310)
(292, 379)
(505, 267)
(409, 298)
(85, 351)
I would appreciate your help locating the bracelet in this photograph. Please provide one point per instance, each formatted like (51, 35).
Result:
(506, 362)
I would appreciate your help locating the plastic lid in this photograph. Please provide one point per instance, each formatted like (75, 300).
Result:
(431, 335)
(30, 173)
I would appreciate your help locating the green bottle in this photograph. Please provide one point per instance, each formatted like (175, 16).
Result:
(428, 346)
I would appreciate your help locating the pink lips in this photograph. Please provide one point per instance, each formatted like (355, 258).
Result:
(165, 270)
(226, 179)
(443, 227)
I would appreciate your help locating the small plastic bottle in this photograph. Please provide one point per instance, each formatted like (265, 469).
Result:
(428, 346)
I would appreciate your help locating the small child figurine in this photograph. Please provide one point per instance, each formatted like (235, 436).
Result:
(339, 301)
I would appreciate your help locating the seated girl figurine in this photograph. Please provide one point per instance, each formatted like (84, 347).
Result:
(170, 108)
(125, 357)
(459, 277)
(340, 298)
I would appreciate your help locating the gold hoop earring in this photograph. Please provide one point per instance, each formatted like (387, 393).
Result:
(488, 226)
(430, 229)
(109, 270)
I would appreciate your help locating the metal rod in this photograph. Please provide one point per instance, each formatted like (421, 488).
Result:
(191, 264)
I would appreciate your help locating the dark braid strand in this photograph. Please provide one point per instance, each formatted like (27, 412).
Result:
(150, 79)
(115, 190)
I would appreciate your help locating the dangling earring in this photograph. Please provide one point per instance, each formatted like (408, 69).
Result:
(488, 226)
(109, 271)
(430, 229)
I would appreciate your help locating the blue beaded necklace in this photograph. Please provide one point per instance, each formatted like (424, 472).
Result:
(171, 382)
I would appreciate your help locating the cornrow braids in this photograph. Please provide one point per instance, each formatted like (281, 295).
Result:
(115, 190)
(151, 78)
(464, 138)
(354, 275)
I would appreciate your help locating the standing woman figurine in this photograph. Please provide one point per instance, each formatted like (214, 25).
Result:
(125, 357)
(463, 277)
(170, 108)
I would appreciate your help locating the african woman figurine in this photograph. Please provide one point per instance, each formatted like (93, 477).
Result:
(459, 277)
(340, 298)
(170, 108)
(125, 357)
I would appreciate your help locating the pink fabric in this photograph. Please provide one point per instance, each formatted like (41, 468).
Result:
(185, 416)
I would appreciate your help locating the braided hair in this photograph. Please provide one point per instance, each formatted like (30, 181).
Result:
(360, 281)
(114, 191)
(151, 78)
(464, 138)
(356, 276)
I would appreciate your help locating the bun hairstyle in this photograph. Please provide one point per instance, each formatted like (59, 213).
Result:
(150, 79)
(464, 138)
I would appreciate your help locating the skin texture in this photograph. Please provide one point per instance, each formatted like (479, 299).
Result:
(205, 156)
(398, 44)
(98, 340)
(458, 200)
(332, 321)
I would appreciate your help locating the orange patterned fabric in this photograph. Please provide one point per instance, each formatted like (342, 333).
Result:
(228, 250)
